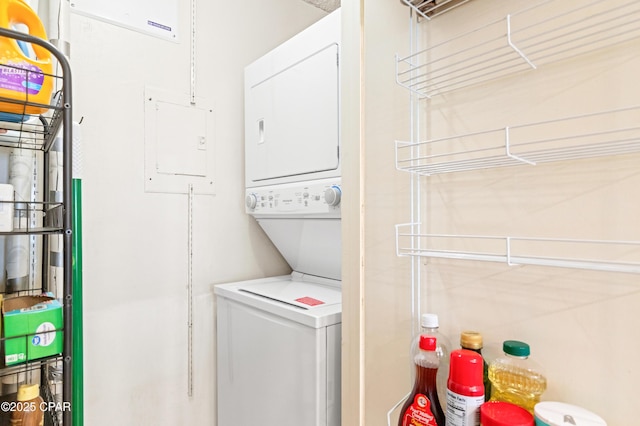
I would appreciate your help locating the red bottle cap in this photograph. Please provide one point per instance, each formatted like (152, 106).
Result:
(427, 343)
(466, 373)
(499, 413)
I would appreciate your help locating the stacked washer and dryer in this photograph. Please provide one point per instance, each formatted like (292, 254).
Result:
(279, 338)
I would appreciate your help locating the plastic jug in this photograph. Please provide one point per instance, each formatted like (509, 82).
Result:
(23, 78)
(551, 413)
(515, 377)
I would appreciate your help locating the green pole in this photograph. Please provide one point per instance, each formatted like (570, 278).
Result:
(77, 402)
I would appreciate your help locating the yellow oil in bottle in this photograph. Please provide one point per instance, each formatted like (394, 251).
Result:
(517, 386)
(515, 378)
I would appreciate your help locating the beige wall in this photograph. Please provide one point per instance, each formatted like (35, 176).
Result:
(376, 302)
(352, 232)
(580, 324)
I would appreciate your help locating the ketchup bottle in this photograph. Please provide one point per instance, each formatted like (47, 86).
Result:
(422, 407)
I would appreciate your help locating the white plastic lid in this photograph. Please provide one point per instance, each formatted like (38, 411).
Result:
(429, 320)
(550, 413)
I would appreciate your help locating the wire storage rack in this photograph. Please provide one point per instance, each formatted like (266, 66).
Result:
(576, 137)
(503, 51)
(44, 220)
(429, 9)
(621, 256)
(546, 32)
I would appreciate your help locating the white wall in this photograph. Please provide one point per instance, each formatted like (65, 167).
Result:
(135, 243)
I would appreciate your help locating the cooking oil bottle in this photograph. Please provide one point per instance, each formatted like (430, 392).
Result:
(515, 377)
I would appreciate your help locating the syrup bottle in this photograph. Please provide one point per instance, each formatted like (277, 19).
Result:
(422, 407)
(29, 407)
(429, 325)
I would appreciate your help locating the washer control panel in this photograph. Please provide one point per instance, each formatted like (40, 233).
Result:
(304, 198)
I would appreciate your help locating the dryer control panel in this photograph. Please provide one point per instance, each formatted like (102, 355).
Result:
(313, 198)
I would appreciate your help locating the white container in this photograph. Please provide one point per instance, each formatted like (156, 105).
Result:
(550, 413)
(6, 207)
(11, 382)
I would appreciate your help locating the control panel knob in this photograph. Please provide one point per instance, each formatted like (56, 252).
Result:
(332, 195)
(251, 201)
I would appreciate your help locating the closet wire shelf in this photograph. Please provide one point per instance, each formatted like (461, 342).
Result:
(429, 9)
(612, 132)
(547, 32)
(620, 256)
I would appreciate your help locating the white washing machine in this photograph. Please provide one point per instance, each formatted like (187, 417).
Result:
(279, 338)
(279, 352)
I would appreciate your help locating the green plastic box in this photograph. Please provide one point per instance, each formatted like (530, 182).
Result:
(32, 327)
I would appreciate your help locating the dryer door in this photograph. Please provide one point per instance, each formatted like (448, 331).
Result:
(292, 119)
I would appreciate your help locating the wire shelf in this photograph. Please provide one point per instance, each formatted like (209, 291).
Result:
(599, 134)
(36, 132)
(46, 372)
(51, 211)
(429, 9)
(544, 33)
(598, 255)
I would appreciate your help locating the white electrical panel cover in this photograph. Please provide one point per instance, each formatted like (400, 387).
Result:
(179, 148)
(292, 108)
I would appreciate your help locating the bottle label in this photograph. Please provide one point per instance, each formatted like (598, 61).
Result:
(463, 410)
(419, 413)
(21, 77)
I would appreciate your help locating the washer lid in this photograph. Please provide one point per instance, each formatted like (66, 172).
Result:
(301, 294)
(278, 297)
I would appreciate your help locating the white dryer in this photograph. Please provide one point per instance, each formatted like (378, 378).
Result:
(292, 109)
(279, 338)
